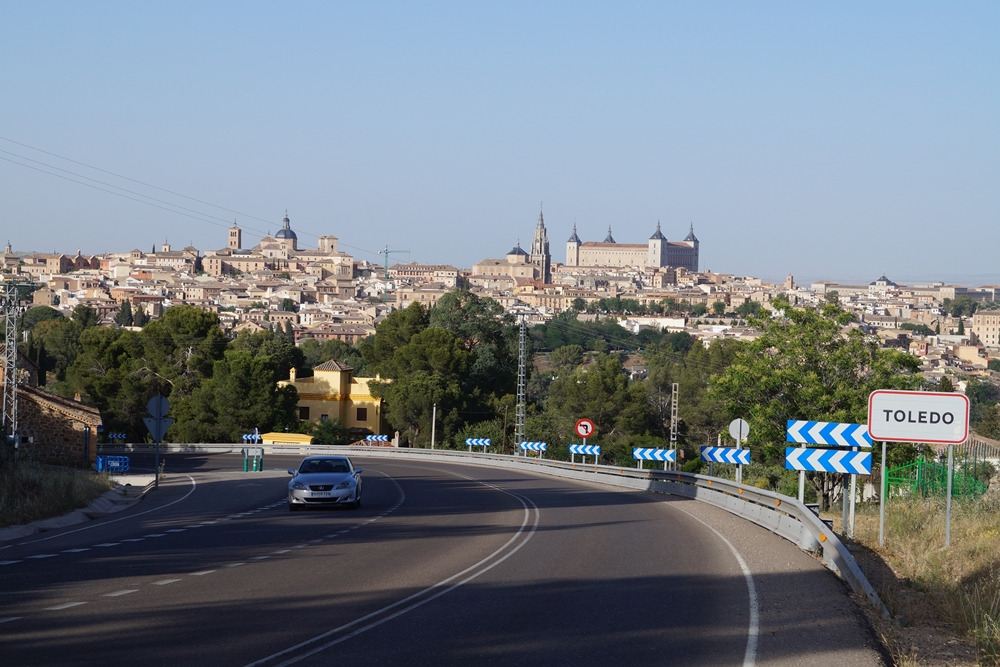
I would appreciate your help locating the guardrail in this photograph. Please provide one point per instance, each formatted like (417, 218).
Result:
(782, 515)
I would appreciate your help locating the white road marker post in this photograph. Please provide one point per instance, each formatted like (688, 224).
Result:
(434, 418)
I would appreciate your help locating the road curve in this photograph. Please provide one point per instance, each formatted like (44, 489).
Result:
(445, 564)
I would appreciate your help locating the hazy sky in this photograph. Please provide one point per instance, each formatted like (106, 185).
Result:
(829, 140)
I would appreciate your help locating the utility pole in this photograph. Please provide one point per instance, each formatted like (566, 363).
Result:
(385, 276)
(10, 308)
(522, 363)
(674, 397)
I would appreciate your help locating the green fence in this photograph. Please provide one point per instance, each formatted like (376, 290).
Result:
(928, 478)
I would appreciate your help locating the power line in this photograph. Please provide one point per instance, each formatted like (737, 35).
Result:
(138, 194)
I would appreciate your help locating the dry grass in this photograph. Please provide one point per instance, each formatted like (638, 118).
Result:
(31, 492)
(958, 586)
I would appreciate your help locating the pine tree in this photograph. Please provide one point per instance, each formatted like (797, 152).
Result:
(961, 327)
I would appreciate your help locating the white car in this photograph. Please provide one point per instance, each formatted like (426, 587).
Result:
(324, 480)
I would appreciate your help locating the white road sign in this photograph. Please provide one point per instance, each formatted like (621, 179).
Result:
(739, 429)
(918, 416)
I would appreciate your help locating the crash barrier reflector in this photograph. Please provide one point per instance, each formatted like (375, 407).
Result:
(112, 464)
(377, 438)
(586, 450)
(725, 455)
(534, 446)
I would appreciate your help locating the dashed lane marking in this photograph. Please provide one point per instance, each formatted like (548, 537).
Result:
(283, 551)
(121, 593)
(107, 544)
(67, 605)
(202, 573)
(133, 539)
(164, 582)
(235, 564)
(156, 535)
(196, 525)
(260, 558)
(75, 551)
(9, 619)
(43, 556)
(176, 530)
(9, 562)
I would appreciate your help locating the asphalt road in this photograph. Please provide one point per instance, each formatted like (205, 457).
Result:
(444, 564)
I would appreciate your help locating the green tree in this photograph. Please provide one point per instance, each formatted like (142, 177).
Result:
(392, 333)
(330, 432)
(37, 314)
(806, 366)
(718, 308)
(124, 316)
(749, 309)
(579, 305)
(85, 316)
(567, 358)
(944, 384)
(961, 327)
(289, 306)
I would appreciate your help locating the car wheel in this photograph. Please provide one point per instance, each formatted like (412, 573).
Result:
(293, 508)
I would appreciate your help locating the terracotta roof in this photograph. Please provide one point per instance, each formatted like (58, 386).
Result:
(78, 411)
(333, 365)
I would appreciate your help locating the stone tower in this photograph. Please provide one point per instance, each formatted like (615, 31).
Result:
(540, 251)
(657, 248)
(235, 237)
(573, 249)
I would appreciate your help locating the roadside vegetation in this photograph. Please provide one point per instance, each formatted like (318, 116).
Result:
(32, 492)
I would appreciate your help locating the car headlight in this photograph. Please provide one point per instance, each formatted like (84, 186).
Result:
(345, 485)
(299, 486)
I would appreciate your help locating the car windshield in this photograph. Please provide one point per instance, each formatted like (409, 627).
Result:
(325, 465)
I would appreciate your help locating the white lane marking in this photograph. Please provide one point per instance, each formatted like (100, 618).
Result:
(318, 539)
(341, 531)
(197, 525)
(235, 564)
(260, 558)
(107, 544)
(164, 582)
(176, 530)
(299, 546)
(133, 539)
(156, 535)
(418, 603)
(67, 605)
(9, 562)
(202, 573)
(750, 657)
(120, 593)
(75, 551)
(283, 551)
(194, 485)
(225, 518)
(10, 618)
(43, 556)
(208, 523)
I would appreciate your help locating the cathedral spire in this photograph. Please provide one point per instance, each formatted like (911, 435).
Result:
(609, 239)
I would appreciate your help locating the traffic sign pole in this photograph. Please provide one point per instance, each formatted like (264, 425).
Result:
(881, 504)
(947, 504)
(854, 493)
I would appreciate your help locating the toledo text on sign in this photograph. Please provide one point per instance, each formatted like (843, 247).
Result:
(918, 416)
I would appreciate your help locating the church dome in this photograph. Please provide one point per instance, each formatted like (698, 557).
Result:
(286, 231)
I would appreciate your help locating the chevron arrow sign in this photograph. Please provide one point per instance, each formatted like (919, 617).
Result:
(828, 433)
(477, 442)
(586, 450)
(828, 460)
(535, 446)
(725, 455)
(648, 454)
(377, 438)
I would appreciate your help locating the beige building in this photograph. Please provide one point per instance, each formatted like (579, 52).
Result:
(986, 327)
(657, 252)
(334, 393)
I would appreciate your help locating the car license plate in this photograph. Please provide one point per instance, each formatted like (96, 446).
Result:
(320, 494)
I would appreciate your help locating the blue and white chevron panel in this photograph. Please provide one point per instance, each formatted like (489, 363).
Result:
(377, 438)
(828, 460)
(828, 433)
(477, 442)
(535, 446)
(649, 454)
(726, 455)
(586, 450)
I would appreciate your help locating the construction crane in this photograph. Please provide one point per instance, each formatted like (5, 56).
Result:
(385, 255)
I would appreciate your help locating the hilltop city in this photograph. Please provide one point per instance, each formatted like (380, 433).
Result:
(325, 293)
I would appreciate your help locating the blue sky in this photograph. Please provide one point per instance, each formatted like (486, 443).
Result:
(830, 140)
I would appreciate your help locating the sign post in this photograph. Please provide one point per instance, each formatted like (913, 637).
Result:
(158, 423)
(932, 417)
(739, 429)
(584, 428)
